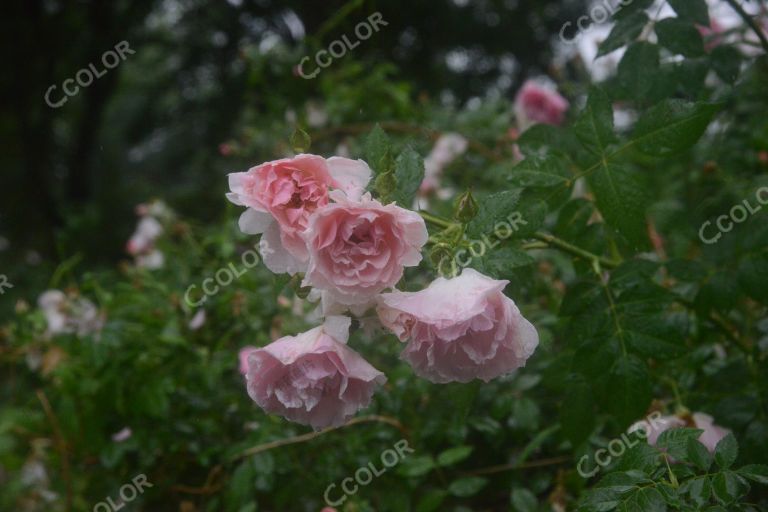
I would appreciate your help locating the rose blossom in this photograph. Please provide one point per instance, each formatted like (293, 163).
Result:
(710, 437)
(312, 378)
(459, 329)
(282, 194)
(537, 103)
(359, 248)
(242, 356)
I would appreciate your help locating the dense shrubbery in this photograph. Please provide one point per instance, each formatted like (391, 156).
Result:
(642, 261)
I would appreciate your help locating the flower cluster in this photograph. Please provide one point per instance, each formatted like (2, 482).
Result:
(317, 220)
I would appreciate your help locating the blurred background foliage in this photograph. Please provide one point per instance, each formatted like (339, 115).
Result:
(212, 89)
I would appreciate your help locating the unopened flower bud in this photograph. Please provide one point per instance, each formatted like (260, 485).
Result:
(466, 207)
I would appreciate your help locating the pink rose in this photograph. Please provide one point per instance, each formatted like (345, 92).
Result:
(313, 378)
(243, 357)
(282, 194)
(710, 437)
(359, 248)
(536, 103)
(459, 329)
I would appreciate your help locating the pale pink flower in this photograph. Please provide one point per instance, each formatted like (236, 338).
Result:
(197, 321)
(122, 435)
(359, 248)
(69, 315)
(243, 357)
(281, 195)
(539, 103)
(143, 239)
(459, 329)
(313, 378)
(448, 147)
(710, 437)
(711, 35)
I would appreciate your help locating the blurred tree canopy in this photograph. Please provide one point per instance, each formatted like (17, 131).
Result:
(154, 123)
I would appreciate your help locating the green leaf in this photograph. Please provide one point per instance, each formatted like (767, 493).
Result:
(454, 455)
(500, 263)
(675, 441)
(672, 126)
(638, 69)
(726, 62)
(577, 410)
(698, 488)
(692, 10)
(594, 126)
(621, 199)
(377, 149)
(468, 486)
(626, 30)
(524, 500)
(548, 171)
(727, 487)
(416, 466)
(679, 37)
(726, 451)
(625, 9)
(494, 210)
(431, 500)
(755, 472)
(698, 454)
(409, 173)
(629, 389)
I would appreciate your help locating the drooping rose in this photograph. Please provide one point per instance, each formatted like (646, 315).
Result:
(313, 378)
(282, 195)
(538, 103)
(359, 248)
(710, 437)
(459, 329)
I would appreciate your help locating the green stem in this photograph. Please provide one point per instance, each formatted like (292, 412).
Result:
(576, 251)
(437, 221)
(748, 19)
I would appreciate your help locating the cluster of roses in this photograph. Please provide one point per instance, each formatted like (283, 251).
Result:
(316, 219)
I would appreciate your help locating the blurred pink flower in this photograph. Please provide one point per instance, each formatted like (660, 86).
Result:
(710, 437)
(711, 36)
(312, 378)
(538, 103)
(359, 248)
(122, 435)
(459, 329)
(447, 148)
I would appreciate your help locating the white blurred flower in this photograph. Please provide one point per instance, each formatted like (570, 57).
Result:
(447, 148)
(198, 320)
(66, 315)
